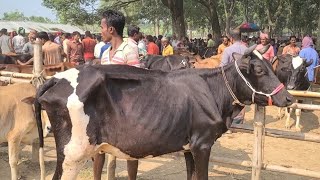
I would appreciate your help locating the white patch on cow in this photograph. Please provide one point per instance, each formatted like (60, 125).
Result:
(78, 150)
(258, 54)
(186, 147)
(296, 62)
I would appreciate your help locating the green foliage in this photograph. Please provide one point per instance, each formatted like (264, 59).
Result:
(19, 16)
(296, 15)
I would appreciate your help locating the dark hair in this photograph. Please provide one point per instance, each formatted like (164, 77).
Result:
(115, 19)
(133, 29)
(292, 37)
(67, 35)
(210, 36)
(150, 38)
(98, 37)
(225, 37)
(160, 37)
(43, 35)
(4, 30)
(88, 34)
(76, 33)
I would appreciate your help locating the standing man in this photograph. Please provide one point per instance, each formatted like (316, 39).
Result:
(224, 45)
(18, 41)
(88, 47)
(264, 42)
(152, 47)
(227, 58)
(52, 52)
(167, 48)
(210, 43)
(120, 52)
(75, 49)
(5, 42)
(237, 46)
(134, 37)
(309, 54)
(98, 46)
(292, 48)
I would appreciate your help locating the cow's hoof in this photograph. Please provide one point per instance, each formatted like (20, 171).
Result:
(287, 126)
(298, 129)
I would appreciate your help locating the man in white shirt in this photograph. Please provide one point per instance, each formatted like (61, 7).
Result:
(98, 46)
(19, 41)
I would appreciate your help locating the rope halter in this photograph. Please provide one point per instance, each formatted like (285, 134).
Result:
(236, 101)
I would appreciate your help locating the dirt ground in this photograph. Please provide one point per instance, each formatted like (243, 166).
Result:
(289, 153)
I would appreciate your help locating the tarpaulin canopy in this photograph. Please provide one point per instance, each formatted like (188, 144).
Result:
(248, 27)
(28, 26)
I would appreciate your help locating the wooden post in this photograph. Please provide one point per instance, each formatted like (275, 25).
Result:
(37, 64)
(111, 167)
(257, 155)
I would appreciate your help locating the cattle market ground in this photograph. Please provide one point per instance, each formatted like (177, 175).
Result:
(289, 153)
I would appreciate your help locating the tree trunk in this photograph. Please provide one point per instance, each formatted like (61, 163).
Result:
(177, 15)
(215, 22)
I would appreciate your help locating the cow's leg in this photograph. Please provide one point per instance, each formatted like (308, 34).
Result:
(288, 114)
(13, 147)
(201, 157)
(98, 163)
(190, 165)
(298, 116)
(132, 167)
(111, 167)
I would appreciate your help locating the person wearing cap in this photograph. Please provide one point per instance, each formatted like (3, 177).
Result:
(18, 41)
(310, 54)
(265, 42)
(5, 42)
(167, 48)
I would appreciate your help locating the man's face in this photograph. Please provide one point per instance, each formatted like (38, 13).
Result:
(264, 41)
(76, 37)
(225, 41)
(165, 43)
(293, 41)
(106, 32)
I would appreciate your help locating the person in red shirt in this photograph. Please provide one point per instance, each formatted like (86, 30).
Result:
(88, 47)
(152, 48)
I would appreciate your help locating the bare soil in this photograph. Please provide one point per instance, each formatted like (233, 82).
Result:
(289, 153)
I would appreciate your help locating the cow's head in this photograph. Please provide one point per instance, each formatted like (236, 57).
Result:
(261, 84)
(298, 79)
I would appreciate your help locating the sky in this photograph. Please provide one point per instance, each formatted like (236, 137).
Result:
(27, 7)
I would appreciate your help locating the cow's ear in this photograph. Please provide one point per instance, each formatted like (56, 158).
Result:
(28, 100)
(250, 50)
(308, 63)
(236, 56)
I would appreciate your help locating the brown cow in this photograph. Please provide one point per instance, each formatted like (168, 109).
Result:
(212, 62)
(17, 120)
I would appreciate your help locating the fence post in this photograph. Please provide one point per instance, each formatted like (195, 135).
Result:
(37, 69)
(258, 146)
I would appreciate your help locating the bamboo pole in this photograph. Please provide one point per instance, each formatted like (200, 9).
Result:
(304, 93)
(12, 80)
(19, 75)
(305, 106)
(258, 146)
(278, 133)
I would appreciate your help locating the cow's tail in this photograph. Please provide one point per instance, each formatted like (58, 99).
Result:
(37, 106)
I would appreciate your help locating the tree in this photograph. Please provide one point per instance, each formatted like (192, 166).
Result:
(177, 16)
(14, 16)
(229, 6)
(211, 9)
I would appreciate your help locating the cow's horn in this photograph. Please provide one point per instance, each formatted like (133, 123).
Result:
(250, 49)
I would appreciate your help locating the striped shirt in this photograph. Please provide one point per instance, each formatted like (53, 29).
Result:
(124, 55)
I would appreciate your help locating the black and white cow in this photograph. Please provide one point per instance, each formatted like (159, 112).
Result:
(292, 72)
(166, 63)
(106, 109)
